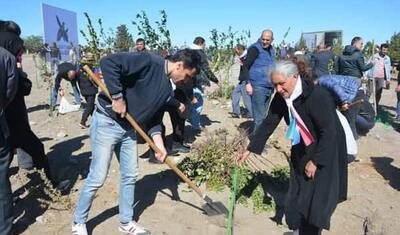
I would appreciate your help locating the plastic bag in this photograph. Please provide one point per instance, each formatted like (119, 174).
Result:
(66, 107)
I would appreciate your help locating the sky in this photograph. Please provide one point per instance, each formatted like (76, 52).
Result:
(187, 19)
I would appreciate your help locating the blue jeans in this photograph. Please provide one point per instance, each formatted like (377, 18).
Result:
(54, 92)
(259, 103)
(194, 116)
(54, 62)
(240, 91)
(6, 202)
(107, 136)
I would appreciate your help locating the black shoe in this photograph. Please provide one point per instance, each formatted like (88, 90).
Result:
(83, 125)
(181, 148)
(153, 159)
(234, 115)
(172, 152)
(350, 158)
(247, 116)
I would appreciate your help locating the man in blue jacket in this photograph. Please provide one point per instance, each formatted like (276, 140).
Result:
(260, 57)
(139, 84)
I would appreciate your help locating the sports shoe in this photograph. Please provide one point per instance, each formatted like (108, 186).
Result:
(182, 148)
(133, 228)
(83, 125)
(79, 229)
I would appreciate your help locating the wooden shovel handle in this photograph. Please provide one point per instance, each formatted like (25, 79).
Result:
(356, 102)
(143, 134)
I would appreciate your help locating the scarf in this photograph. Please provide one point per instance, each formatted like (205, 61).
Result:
(297, 129)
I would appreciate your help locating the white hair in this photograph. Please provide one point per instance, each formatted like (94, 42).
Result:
(285, 68)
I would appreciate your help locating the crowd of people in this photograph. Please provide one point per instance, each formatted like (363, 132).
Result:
(323, 98)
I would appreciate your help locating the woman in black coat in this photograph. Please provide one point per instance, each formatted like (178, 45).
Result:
(318, 162)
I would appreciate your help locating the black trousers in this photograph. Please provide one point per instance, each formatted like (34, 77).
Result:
(178, 125)
(89, 108)
(351, 114)
(6, 203)
(309, 229)
(25, 139)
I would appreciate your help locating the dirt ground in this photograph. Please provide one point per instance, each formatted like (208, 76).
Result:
(168, 207)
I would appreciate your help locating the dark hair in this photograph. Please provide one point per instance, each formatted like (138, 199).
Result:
(240, 46)
(140, 40)
(384, 45)
(10, 26)
(190, 59)
(199, 40)
(328, 45)
(355, 39)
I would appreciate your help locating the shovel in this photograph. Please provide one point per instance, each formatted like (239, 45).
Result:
(210, 207)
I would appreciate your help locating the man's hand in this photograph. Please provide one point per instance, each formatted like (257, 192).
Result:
(119, 106)
(61, 91)
(249, 89)
(387, 85)
(241, 158)
(310, 169)
(160, 144)
(181, 108)
(344, 107)
(194, 100)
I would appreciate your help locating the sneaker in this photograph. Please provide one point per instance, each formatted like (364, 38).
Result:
(234, 115)
(153, 159)
(83, 125)
(79, 229)
(180, 148)
(133, 228)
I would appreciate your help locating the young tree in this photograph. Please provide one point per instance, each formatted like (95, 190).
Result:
(337, 47)
(97, 40)
(157, 38)
(33, 43)
(394, 47)
(123, 40)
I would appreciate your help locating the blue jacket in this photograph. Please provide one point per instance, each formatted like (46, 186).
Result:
(141, 78)
(343, 87)
(259, 69)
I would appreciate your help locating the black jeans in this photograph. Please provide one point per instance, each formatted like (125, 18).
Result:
(89, 108)
(178, 125)
(25, 139)
(309, 229)
(6, 203)
(351, 114)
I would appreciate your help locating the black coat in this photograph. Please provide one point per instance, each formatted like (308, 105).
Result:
(8, 89)
(351, 62)
(86, 86)
(313, 200)
(16, 113)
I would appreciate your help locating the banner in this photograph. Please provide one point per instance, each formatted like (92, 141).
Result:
(60, 30)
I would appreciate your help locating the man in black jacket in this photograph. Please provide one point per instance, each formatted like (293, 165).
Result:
(88, 90)
(321, 60)
(351, 62)
(65, 71)
(139, 84)
(10, 46)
